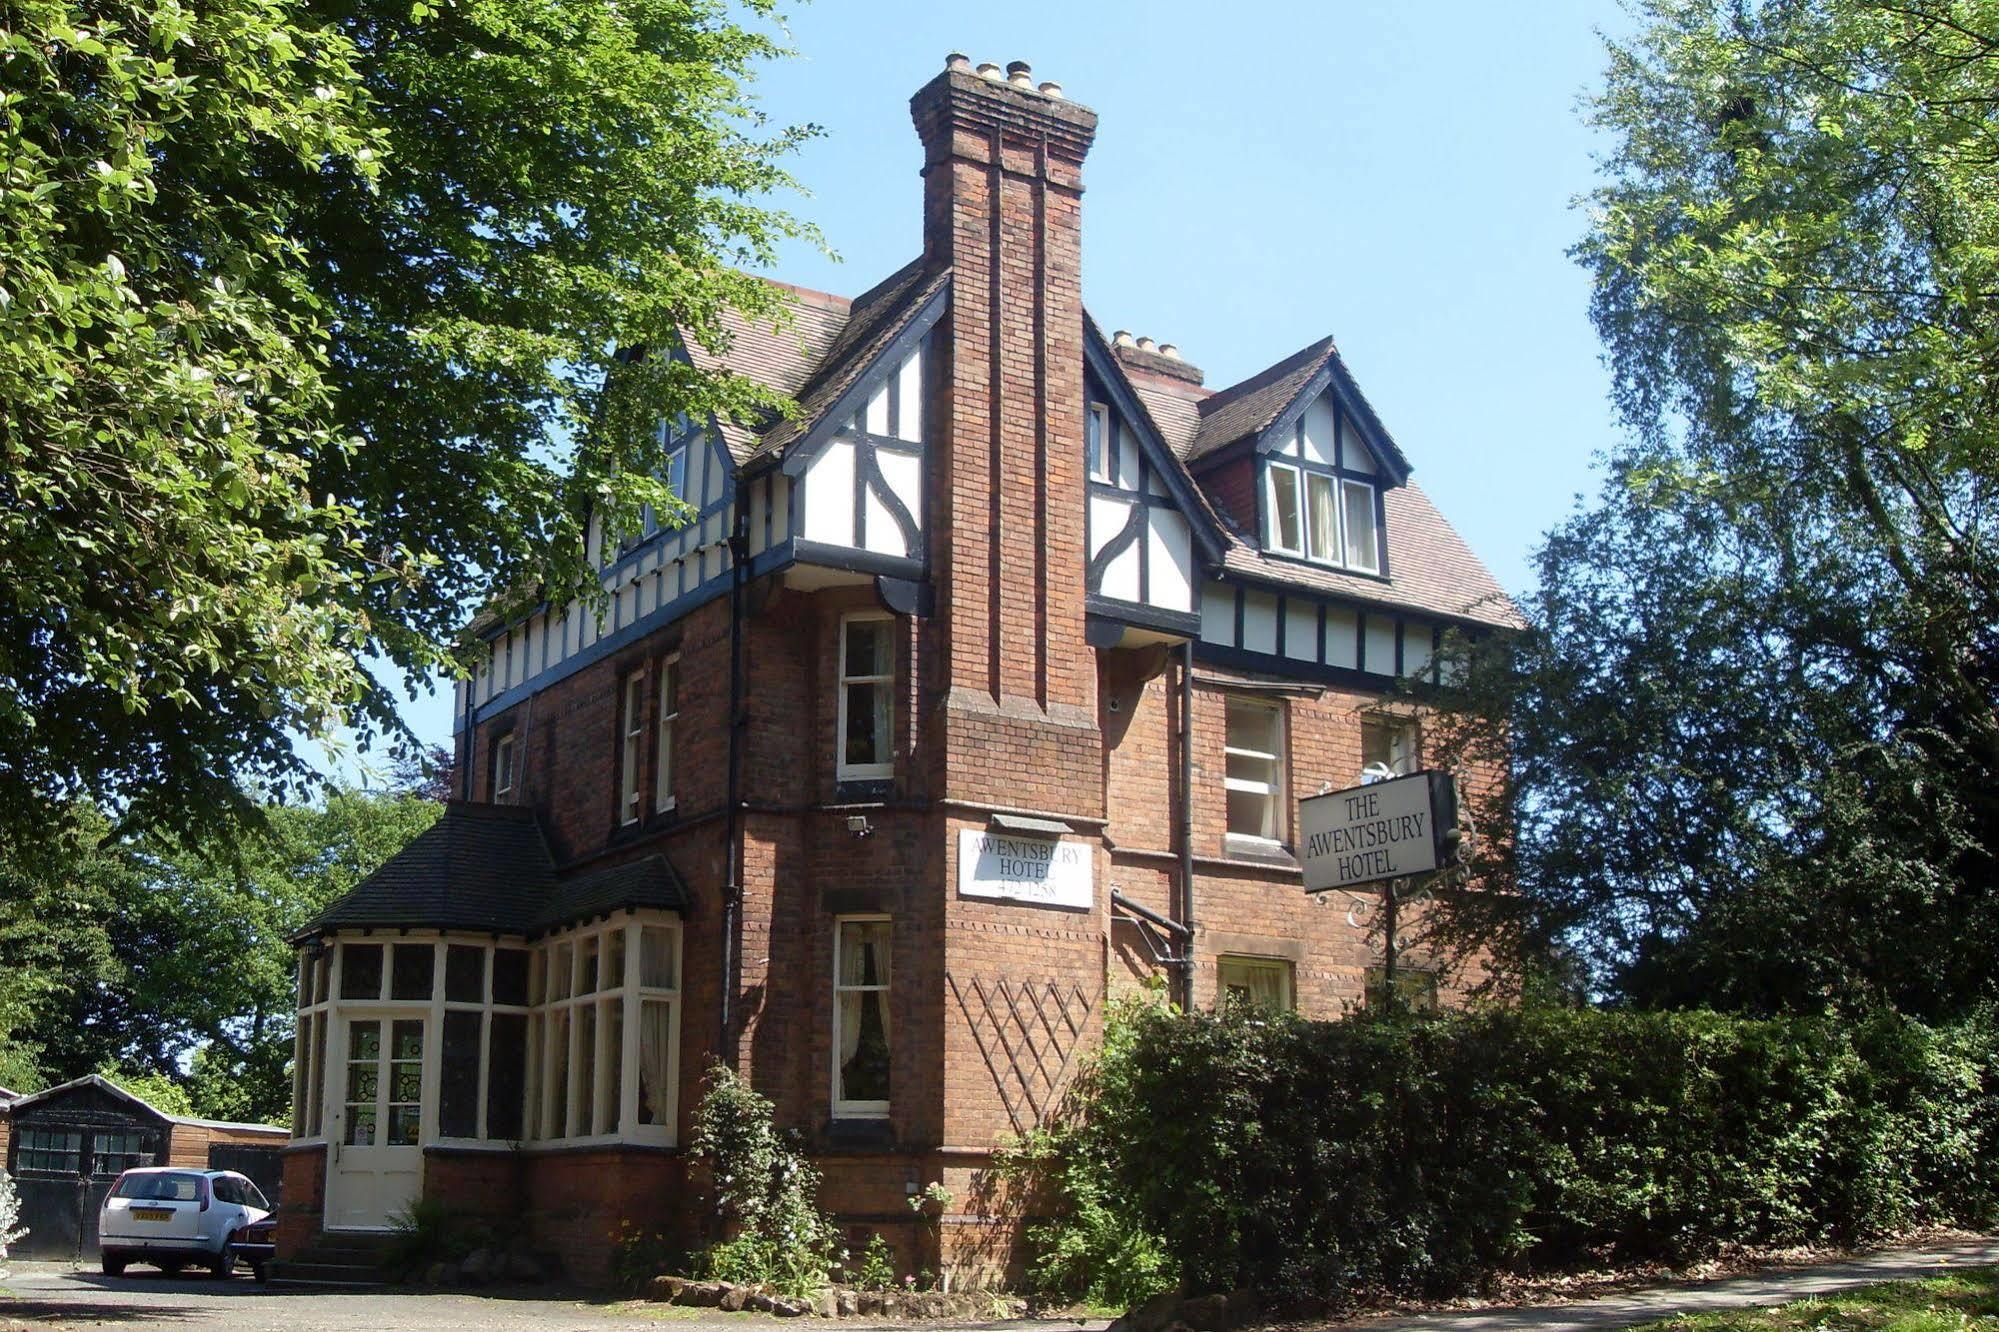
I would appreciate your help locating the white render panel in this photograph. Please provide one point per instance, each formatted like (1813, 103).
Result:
(877, 414)
(829, 495)
(1218, 614)
(1127, 455)
(1107, 518)
(1121, 575)
(1170, 560)
(1342, 638)
(1301, 630)
(1380, 645)
(759, 505)
(1416, 650)
(1259, 621)
(1318, 423)
(904, 474)
(909, 383)
(1354, 455)
(882, 536)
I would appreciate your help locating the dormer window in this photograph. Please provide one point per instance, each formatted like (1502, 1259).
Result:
(1102, 467)
(1320, 495)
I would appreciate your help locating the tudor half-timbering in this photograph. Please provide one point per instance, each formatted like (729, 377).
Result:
(1031, 642)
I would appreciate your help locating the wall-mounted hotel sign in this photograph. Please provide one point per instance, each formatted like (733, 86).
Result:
(1386, 830)
(1014, 862)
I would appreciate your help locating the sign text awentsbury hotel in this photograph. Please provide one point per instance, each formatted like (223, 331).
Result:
(1369, 833)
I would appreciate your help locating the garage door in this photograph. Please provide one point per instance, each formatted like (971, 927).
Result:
(63, 1172)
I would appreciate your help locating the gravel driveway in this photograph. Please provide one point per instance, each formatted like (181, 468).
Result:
(55, 1295)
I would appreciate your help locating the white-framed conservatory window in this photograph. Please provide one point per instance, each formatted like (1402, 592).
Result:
(867, 698)
(1254, 783)
(861, 1026)
(606, 1033)
(669, 717)
(1264, 983)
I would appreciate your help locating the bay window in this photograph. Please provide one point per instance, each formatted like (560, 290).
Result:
(861, 1029)
(606, 1033)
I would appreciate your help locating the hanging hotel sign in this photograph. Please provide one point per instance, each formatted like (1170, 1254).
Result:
(1385, 830)
(1041, 871)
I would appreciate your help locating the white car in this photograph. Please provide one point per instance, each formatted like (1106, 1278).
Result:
(175, 1218)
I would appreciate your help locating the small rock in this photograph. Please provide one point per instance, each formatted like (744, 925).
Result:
(477, 1269)
(850, 1303)
(521, 1265)
(665, 1289)
(1206, 1313)
(785, 1306)
(733, 1299)
(871, 1303)
(826, 1304)
(701, 1294)
(761, 1301)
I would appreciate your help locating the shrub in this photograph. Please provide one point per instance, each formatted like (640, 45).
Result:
(765, 1192)
(10, 1213)
(875, 1269)
(1425, 1154)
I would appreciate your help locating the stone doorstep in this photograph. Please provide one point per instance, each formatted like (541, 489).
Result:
(832, 1302)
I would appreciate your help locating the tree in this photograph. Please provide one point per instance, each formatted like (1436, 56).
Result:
(175, 961)
(308, 318)
(1753, 726)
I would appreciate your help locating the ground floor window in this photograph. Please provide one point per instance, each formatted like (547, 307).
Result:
(1416, 987)
(861, 975)
(604, 1032)
(1265, 983)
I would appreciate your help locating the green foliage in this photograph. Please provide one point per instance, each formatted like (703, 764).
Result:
(155, 1089)
(1422, 1155)
(1756, 761)
(295, 376)
(10, 1213)
(765, 1193)
(1965, 1298)
(172, 958)
(638, 1255)
(875, 1270)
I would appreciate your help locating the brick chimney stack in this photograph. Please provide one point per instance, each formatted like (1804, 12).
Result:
(1002, 193)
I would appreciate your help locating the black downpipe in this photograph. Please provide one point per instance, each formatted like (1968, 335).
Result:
(732, 892)
(1187, 823)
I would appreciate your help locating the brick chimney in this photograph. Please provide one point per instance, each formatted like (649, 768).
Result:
(1002, 193)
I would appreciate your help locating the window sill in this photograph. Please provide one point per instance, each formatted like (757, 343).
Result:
(849, 788)
(1260, 850)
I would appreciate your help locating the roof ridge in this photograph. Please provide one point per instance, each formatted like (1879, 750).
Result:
(1269, 375)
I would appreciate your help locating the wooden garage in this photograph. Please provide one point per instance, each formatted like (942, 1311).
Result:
(66, 1147)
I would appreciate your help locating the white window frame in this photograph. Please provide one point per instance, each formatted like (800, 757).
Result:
(1297, 487)
(1366, 488)
(631, 745)
(503, 767)
(1100, 460)
(1271, 791)
(1243, 964)
(614, 1119)
(842, 1108)
(843, 770)
(1404, 729)
(667, 707)
(309, 1043)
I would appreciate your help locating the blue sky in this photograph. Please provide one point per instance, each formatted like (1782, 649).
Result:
(1399, 176)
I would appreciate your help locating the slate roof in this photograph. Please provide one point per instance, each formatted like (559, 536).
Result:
(1245, 409)
(648, 882)
(487, 868)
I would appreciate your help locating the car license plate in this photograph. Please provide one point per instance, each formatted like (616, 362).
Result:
(152, 1214)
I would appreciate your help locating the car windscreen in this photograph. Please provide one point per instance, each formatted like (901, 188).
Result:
(159, 1188)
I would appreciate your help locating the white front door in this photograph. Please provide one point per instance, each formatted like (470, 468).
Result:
(375, 1168)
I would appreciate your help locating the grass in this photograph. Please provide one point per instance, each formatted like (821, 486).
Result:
(1966, 1301)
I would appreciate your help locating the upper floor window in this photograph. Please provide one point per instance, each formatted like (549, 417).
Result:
(1102, 466)
(669, 717)
(1254, 750)
(631, 730)
(1261, 982)
(503, 768)
(1387, 747)
(1320, 495)
(867, 697)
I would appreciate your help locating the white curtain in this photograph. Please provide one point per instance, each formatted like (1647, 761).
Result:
(654, 1024)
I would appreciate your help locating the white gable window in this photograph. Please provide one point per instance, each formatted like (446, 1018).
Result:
(867, 698)
(1319, 488)
(1102, 467)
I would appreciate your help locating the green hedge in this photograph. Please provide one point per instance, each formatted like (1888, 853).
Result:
(1425, 1154)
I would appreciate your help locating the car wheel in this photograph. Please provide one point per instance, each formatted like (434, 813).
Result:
(224, 1264)
(114, 1264)
(171, 1266)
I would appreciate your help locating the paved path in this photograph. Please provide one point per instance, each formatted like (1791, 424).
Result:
(57, 1296)
(1649, 1305)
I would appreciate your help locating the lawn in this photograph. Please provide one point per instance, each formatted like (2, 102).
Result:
(1966, 1301)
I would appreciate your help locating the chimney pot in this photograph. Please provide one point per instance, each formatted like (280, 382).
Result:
(1052, 89)
(1121, 338)
(958, 60)
(1170, 351)
(988, 70)
(1147, 344)
(1020, 73)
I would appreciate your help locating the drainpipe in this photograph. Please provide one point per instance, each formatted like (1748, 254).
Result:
(732, 891)
(1187, 823)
